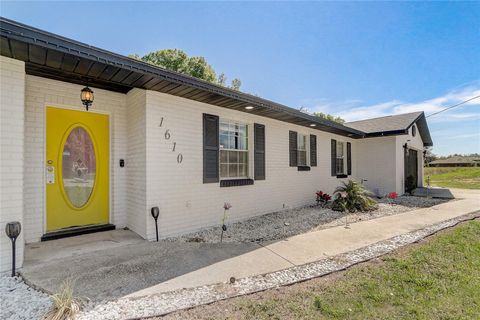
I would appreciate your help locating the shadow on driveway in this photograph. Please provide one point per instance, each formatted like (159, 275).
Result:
(113, 272)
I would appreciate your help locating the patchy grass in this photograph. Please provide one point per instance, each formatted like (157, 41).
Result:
(463, 178)
(437, 279)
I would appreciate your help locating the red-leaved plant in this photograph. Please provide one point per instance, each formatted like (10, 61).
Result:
(392, 195)
(322, 198)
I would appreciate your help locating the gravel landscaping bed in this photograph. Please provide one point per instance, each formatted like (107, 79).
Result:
(18, 301)
(283, 224)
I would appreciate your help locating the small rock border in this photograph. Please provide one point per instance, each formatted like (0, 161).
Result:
(164, 303)
(283, 224)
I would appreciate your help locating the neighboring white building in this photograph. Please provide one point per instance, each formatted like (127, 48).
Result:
(157, 138)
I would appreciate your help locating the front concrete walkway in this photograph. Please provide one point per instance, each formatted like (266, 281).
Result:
(313, 246)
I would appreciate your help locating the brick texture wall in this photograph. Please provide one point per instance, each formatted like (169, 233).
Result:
(12, 92)
(135, 163)
(187, 204)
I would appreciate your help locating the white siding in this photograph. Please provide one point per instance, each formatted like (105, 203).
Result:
(377, 163)
(12, 93)
(187, 204)
(381, 162)
(42, 92)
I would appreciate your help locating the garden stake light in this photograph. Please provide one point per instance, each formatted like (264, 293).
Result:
(155, 213)
(13, 229)
(226, 207)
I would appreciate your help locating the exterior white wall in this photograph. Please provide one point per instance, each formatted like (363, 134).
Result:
(376, 163)
(187, 204)
(12, 93)
(41, 92)
(136, 162)
(381, 162)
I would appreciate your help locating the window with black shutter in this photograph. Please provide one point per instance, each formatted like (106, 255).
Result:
(210, 148)
(313, 150)
(333, 151)
(259, 151)
(293, 148)
(349, 158)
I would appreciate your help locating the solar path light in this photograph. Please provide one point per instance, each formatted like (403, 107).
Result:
(155, 213)
(13, 229)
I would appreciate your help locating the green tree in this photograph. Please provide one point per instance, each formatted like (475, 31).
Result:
(179, 61)
(329, 117)
(236, 84)
(429, 155)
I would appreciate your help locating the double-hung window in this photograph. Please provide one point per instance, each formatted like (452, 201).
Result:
(233, 149)
(340, 162)
(301, 150)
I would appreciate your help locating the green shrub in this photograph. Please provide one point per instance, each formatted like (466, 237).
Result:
(352, 196)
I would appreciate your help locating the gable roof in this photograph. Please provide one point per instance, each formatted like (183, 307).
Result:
(394, 125)
(52, 56)
(385, 124)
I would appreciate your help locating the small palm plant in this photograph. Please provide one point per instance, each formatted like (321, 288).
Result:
(352, 196)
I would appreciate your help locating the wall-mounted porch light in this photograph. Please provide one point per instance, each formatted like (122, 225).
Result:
(87, 97)
(13, 229)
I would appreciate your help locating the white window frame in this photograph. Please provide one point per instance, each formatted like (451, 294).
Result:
(343, 157)
(299, 137)
(245, 150)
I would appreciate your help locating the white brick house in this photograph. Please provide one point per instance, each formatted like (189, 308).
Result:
(174, 142)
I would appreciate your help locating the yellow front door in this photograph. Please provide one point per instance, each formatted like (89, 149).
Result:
(77, 170)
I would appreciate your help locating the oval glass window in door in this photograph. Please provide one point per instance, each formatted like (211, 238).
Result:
(78, 167)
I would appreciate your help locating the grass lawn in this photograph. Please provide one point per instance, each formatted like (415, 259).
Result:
(436, 279)
(463, 178)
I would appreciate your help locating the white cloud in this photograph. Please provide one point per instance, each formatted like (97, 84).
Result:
(351, 110)
(465, 136)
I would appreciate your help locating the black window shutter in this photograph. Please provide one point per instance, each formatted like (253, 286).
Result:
(349, 158)
(293, 148)
(259, 151)
(210, 148)
(313, 150)
(334, 157)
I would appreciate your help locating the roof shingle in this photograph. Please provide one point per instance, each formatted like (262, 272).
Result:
(385, 124)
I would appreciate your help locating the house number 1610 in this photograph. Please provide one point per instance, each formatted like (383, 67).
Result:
(167, 137)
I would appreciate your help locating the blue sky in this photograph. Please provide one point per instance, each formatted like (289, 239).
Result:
(356, 60)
